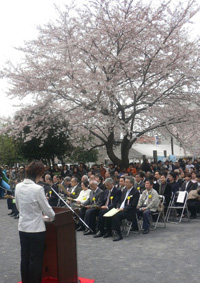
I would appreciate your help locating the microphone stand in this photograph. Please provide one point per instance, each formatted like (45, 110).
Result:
(10, 190)
(71, 209)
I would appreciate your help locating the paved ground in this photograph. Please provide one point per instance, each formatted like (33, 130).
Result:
(164, 255)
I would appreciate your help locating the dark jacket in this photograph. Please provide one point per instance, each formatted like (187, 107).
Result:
(53, 198)
(114, 197)
(98, 195)
(75, 193)
(130, 204)
(167, 192)
(190, 186)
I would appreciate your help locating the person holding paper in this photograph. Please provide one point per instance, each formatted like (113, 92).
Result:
(188, 185)
(84, 194)
(75, 189)
(89, 210)
(127, 207)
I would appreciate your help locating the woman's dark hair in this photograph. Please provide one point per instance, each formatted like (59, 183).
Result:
(173, 175)
(85, 183)
(35, 169)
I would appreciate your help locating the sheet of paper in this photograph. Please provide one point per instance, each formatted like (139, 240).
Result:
(46, 218)
(181, 197)
(111, 212)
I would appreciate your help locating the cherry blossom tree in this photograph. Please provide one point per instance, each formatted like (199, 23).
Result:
(40, 133)
(117, 69)
(187, 132)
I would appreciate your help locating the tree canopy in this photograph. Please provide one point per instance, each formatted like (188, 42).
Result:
(39, 134)
(116, 69)
(9, 151)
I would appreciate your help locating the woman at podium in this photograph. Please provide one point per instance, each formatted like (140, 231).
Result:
(32, 205)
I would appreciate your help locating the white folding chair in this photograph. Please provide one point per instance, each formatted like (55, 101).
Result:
(178, 204)
(170, 203)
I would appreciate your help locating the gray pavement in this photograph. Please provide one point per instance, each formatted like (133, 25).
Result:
(164, 255)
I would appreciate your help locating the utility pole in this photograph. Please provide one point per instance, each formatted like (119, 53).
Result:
(172, 145)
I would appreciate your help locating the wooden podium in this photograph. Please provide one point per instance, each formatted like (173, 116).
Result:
(60, 260)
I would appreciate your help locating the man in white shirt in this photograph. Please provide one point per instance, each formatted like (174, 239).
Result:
(127, 209)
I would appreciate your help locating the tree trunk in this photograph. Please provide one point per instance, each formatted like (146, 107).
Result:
(125, 147)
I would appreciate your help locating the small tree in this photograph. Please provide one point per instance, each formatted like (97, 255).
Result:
(9, 153)
(46, 139)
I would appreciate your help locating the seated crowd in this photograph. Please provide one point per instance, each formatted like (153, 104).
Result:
(133, 192)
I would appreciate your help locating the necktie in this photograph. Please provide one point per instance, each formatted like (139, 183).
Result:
(108, 198)
(93, 198)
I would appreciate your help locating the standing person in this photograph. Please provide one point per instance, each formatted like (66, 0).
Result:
(146, 166)
(32, 204)
(102, 170)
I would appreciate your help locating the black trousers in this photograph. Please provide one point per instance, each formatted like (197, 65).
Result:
(32, 250)
(117, 219)
(14, 209)
(104, 222)
(90, 218)
(193, 206)
(9, 203)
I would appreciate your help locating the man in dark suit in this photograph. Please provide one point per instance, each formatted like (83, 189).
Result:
(188, 185)
(139, 183)
(87, 212)
(178, 179)
(127, 207)
(75, 189)
(50, 194)
(165, 189)
(112, 197)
